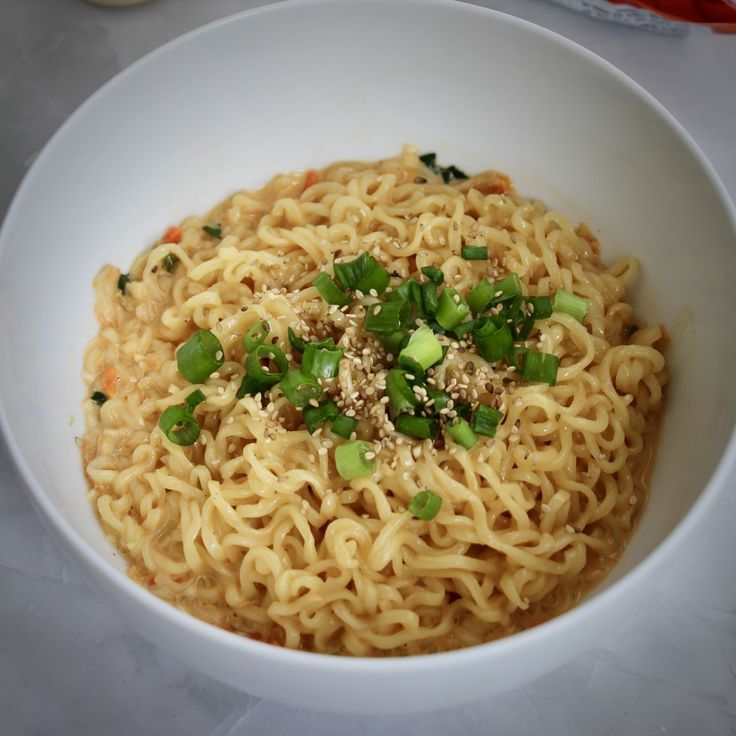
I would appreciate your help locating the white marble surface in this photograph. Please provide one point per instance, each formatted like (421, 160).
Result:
(70, 665)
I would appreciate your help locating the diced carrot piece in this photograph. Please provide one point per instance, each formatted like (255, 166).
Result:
(172, 235)
(109, 380)
(311, 178)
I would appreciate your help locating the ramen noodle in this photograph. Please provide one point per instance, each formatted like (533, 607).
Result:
(378, 408)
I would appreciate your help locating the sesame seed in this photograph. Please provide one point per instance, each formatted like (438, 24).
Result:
(569, 529)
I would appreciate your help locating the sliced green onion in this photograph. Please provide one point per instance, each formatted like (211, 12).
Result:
(394, 342)
(355, 459)
(199, 356)
(408, 291)
(492, 337)
(169, 262)
(481, 296)
(386, 317)
(251, 386)
(344, 426)
(485, 420)
(179, 426)
(321, 362)
(377, 279)
(363, 273)
(299, 387)
(474, 252)
(439, 400)
(542, 306)
(400, 395)
(521, 320)
(123, 280)
(99, 398)
(423, 348)
(463, 410)
(422, 428)
(452, 172)
(430, 161)
(571, 304)
(266, 375)
(194, 399)
(464, 327)
(540, 367)
(506, 289)
(214, 230)
(461, 432)
(314, 416)
(430, 300)
(256, 335)
(434, 274)
(330, 291)
(451, 309)
(296, 342)
(425, 505)
(515, 356)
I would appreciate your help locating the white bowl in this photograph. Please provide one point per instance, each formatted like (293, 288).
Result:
(300, 85)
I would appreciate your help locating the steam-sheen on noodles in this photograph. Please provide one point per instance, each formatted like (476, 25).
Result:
(487, 499)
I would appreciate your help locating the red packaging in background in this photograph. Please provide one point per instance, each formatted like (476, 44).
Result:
(663, 16)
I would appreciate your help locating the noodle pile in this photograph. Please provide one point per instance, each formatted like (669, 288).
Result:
(252, 529)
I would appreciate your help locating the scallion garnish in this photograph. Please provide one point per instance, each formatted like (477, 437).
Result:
(199, 356)
(434, 274)
(123, 280)
(386, 317)
(194, 399)
(266, 365)
(98, 397)
(461, 432)
(330, 291)
(430, 300)
(506, 289)
(422, 428)
(571, 304)
(355, 459)
(448, 173)
(179, 426)
(169, 262)
(430, 161)
(485, 420)
(321, 362)
(481, 295)
(315, 416)
(541, 306)
(425, 505)
(464, 327)
(401, 397)
(474, 252)
(540, 367)
(362, 273)
(452, 172)
(521, 318)
(451, 309)
(409, 291)
(256, 335)
(423, 349)
(250, 386)
(296, 342)
(344, 426)
(492, 337)
(395, 342)
(438, 400)
(299, 387)
(214, 230)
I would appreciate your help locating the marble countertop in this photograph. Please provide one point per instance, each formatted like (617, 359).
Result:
(70, 665)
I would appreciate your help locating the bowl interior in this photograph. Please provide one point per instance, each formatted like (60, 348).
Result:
(289, 88)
